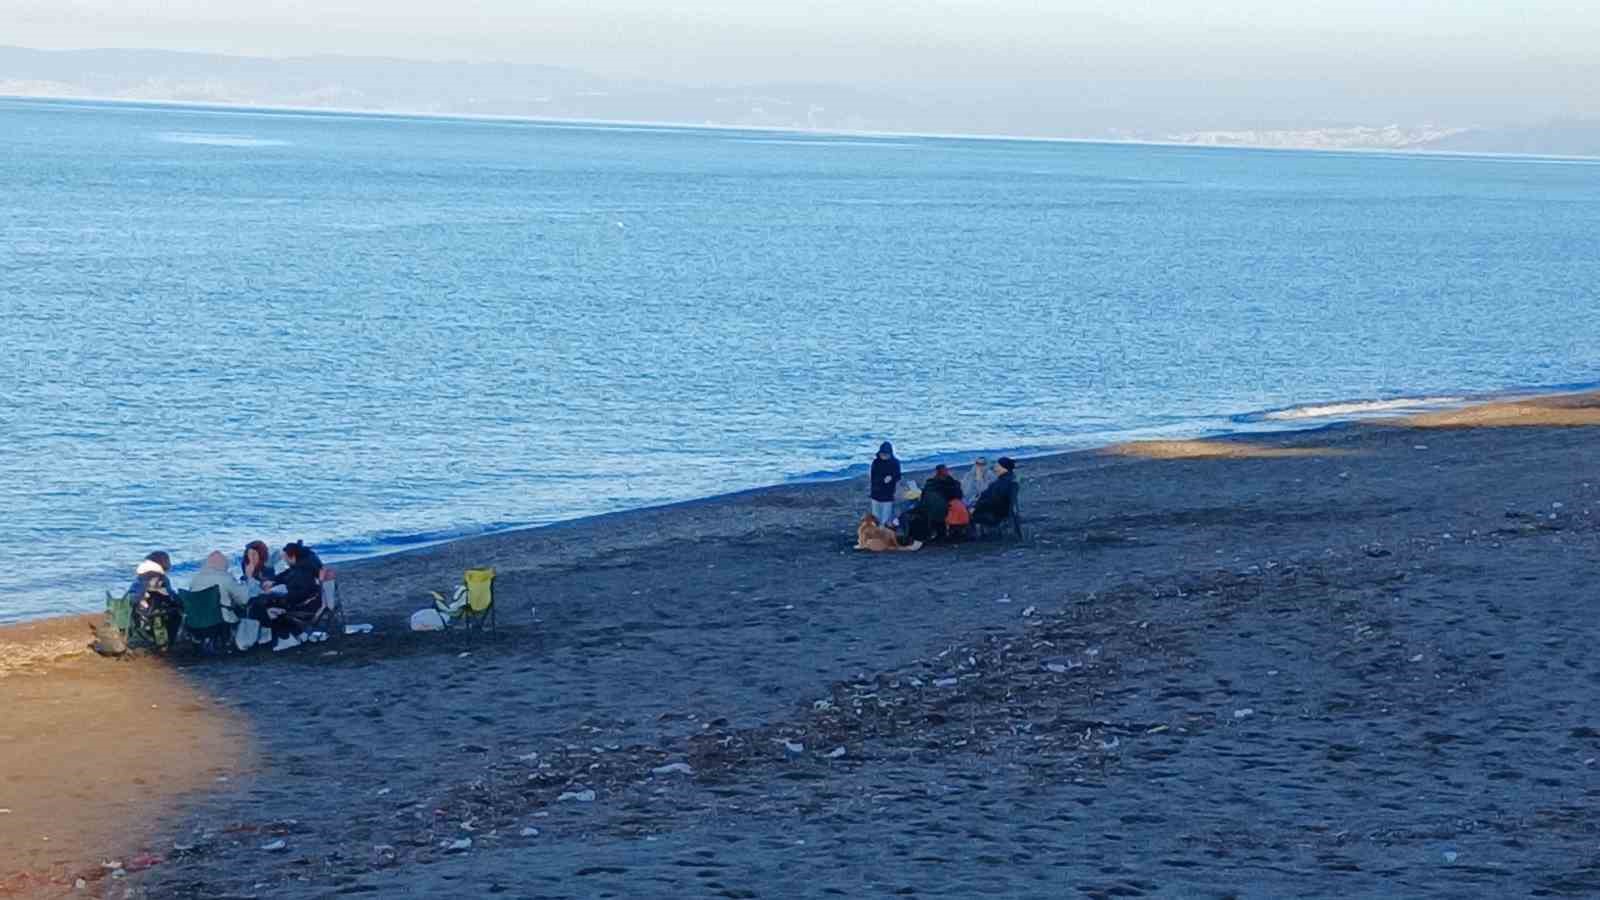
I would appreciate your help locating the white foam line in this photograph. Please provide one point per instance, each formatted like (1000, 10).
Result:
(217, 140)
(1360, 408)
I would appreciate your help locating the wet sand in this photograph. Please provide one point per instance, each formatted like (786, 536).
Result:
(1352, 662)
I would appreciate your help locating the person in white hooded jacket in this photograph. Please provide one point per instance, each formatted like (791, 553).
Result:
(153, 598)
(150, 578)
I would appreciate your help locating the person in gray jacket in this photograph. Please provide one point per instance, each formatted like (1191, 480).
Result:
(233, 596)
(976, 480)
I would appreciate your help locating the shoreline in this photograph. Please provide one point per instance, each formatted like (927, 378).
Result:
(1379, 411)
(1225, 645)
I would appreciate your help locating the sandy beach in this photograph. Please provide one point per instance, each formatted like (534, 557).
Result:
(1350, 662)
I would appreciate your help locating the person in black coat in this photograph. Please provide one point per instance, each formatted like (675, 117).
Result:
(934, 504)
(994, 505)
(299, 599)
(303, 578)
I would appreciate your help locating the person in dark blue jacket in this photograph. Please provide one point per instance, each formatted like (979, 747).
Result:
(885, 478)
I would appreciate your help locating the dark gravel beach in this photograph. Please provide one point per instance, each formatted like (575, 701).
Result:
(1354, 662)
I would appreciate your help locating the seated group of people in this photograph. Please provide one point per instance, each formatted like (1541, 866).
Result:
(281, 595)
(942, 511)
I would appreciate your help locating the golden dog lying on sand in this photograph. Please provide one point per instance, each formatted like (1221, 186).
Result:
(872, 536)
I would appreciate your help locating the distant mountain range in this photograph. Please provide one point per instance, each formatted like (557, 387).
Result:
(549, 92)
(448, 88)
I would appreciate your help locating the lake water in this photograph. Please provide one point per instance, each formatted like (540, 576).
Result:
(373, 332)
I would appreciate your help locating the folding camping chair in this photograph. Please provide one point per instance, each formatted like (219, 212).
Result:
(203, 625)
(328, 616)
(472, 606)
(139, 625)
(113, 634)
(1014, 516)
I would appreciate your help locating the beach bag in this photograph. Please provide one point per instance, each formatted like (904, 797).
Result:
(956, 515)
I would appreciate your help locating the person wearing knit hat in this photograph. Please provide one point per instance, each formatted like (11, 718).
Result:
(994, 506)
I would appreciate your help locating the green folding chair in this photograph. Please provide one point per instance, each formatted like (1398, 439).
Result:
(111, 636)
(203, 625)
(119, 612)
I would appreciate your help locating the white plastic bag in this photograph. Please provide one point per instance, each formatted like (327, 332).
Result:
(246, 634)
(427, 620)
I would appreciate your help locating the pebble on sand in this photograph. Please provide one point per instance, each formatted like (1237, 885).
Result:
(676, 768)
(583, 796)
(275, 846)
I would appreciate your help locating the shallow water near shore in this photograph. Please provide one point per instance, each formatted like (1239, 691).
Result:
(378, 332)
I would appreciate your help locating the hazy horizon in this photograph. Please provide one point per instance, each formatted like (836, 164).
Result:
(1153, 65)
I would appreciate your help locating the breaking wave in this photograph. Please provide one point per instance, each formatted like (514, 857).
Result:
(1358, 409)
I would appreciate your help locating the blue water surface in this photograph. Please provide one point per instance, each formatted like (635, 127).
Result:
(376, 331)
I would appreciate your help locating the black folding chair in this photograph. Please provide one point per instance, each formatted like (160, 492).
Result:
(1013, 515)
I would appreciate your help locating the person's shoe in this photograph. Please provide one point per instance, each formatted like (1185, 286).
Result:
(317, 637)
(288, 643)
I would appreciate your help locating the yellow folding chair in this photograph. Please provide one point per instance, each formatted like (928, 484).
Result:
(472, 605)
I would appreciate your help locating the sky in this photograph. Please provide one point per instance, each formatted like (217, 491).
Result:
(1245, 61)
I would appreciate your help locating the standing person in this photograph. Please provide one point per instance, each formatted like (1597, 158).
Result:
(977, 479)
(885, 476)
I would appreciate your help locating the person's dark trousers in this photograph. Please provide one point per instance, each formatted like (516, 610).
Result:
(287, 624)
